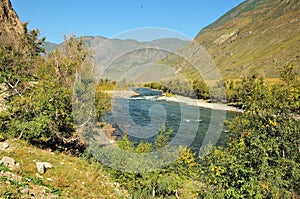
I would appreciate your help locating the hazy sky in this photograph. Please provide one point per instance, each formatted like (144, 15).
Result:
(55, 18)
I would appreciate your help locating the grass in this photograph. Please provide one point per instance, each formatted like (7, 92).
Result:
(72, 177)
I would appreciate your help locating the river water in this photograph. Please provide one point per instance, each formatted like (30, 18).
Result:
(143, 116)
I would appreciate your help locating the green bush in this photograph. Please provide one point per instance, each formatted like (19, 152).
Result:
(262, 157)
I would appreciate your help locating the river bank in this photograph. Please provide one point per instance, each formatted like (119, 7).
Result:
(128, 94)
(200, 103)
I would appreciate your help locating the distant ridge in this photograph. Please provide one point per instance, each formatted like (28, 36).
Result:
(118, 56)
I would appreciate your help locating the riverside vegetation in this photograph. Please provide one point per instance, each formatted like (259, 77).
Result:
(260, 160)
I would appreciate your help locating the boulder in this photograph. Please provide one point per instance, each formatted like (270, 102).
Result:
(5, 145)
(8, 161)
(47, 165)
(41, 167)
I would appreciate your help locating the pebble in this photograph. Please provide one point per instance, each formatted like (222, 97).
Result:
(25, 191)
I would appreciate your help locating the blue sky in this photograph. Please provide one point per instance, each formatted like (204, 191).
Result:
(56, 18)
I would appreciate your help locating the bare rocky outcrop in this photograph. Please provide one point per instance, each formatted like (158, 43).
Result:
(10, 25)
(230, 36)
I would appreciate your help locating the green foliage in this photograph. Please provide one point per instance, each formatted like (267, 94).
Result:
(232, 95)
(200, 89)
(40, 89)
(31, 42)
(154, 85)
(125, 144)
(102, 98)
(262, 157)
(169, 94)
(162, 138)
(165, 87)
(17, 62)
(197, 88)
(167, 182)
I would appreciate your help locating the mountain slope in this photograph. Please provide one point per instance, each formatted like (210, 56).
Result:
(257, 35)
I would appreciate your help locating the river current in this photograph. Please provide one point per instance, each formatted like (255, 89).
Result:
(143, 116)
